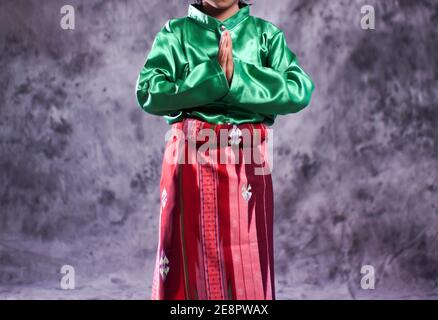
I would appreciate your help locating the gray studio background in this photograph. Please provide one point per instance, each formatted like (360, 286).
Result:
(355, 174)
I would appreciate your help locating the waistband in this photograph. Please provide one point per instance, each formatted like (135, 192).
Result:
(237, 133)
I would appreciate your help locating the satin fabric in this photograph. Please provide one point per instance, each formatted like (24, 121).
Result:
(216, 218)
(182, 78)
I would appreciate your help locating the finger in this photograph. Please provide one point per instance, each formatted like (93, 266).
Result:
(225, 46)
(230, 56)
(221, 43)
(227, 39)
(230, 50)
(230, 68)
(224, 41)
(230, 62)
(221, 49)
(230, 42)
(225, 59)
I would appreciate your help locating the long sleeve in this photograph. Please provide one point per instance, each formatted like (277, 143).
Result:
(279, 88)
(165, 83)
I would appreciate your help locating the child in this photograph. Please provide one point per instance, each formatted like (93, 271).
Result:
(219, 68)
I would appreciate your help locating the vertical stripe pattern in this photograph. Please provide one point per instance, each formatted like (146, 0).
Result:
(215, 238)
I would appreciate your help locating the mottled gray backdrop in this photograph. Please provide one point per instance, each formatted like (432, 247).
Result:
(355, 174)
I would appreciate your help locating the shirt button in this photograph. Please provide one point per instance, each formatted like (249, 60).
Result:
(223, 27)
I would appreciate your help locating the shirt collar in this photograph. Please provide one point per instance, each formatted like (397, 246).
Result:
(212, 23)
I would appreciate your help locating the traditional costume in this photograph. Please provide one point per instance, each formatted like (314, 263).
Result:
(216, 219)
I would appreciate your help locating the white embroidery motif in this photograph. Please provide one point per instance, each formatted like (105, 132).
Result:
(235, 135)
(164, 265)
(163, 198)
(246, 193)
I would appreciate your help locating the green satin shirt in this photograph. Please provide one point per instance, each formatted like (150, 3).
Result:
(183, 78)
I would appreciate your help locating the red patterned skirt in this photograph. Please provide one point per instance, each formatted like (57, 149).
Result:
(216, 217)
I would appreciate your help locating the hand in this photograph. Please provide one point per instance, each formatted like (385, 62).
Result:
(225, 55)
